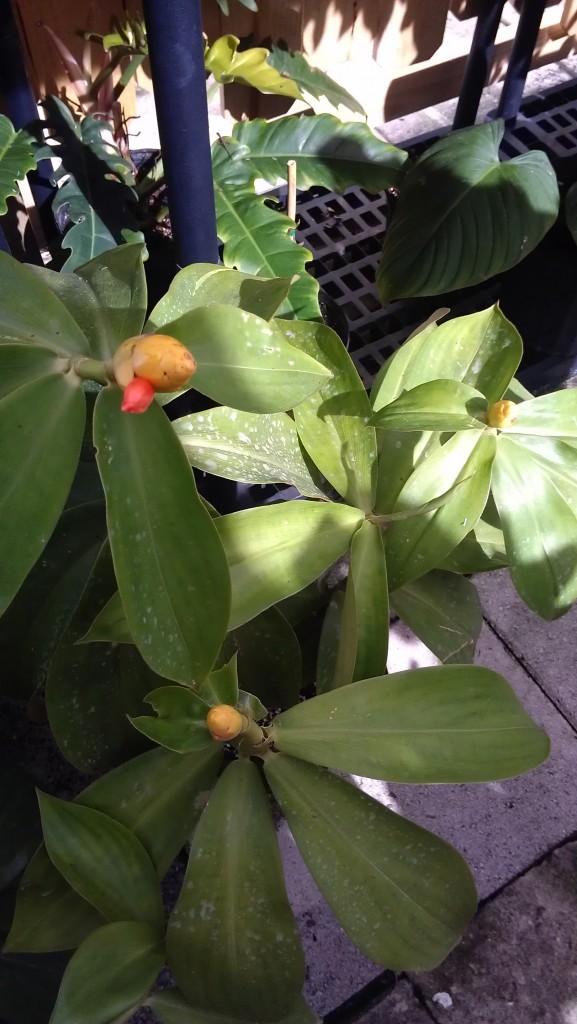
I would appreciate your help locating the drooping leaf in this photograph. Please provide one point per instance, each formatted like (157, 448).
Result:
(403, 895)
(163, 542)
(181, 722)
(17, 157)
(19, 823)
(31, 312)
(444, 611)
(171, 1007)
(204, 284)
(41, 425)
(254, 448)
(234, 907)
(249, 67)
(364, 625)
(332, 422)
(102, 860)
(117, 281)
(111, 972)
(436, 405)
(482, 216)
(276, 550)
(268, 658)
(450, 724)
(313, 83)
(553, 415)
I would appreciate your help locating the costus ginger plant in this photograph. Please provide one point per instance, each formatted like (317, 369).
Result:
(164, 636)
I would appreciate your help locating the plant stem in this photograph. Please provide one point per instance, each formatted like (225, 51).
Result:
(92, 369)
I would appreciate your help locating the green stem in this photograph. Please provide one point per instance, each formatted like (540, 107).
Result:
(92, 369)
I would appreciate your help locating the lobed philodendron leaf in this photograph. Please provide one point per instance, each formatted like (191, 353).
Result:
(17, 157)
(436, 405)
(364, 624)
(316, 86)
(111, 973)
(171, 1007)
(244, 361)
(31, 312)
(181, 722)
(276, 550)
(482, 216)
(234, 906)
(204, 284)
(249, 67)
(163, 540)
(403, 895)
(449, 724)
(444, 610)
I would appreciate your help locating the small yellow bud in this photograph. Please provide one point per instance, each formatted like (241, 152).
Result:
(502, 414)
(225, 722)
(161, 360)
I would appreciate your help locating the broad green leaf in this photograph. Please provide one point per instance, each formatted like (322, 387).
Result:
(221, 686)
(535, 489)
(117, 280)
(171, 1007)
(31, 312)
(313, 83)
(482, 550)
(181, 722)
(22, 364)
(41, 426)
(403, 895)
(204, 284)
(435, 405)
(328, 646)
(481, 349)
(444, 611)
(277, 550)
(268, 658)
(332, 422)
(102, 860)
(399, 454)
(111, 972)
(251, 705)
(17, 157)
(110, 625)
(327, 152)
(82, 303)
(553, 415)
(244, 361)
(449, 724)
(416, 545)
(249, 67)
(252, 447)
(364, 628)
(19, 825)
(233, 930)
(163, 541)
(482, 216)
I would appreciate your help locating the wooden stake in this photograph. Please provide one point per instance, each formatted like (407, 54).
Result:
(291, 203)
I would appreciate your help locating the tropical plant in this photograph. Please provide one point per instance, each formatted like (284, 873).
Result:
(162, 633)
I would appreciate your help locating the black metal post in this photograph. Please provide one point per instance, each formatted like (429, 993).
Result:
(174, 30)
(520, 59)
(478, 63)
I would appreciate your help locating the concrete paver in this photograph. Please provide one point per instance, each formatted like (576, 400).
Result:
(400, 1007)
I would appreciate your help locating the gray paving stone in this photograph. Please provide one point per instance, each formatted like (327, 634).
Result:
(518, 962)
(548, 649)
(400, 1007)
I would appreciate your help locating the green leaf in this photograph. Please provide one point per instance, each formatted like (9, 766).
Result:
(249, 67)
(22, 364)
(416, 545)
(102, 860)
(269, 658)
(313, 83)
(19, 824)
(277, 550)
(450, 724)
(328, 646)
(181, 722)
(399, 455)
(41, 425)
(163, 541)
(327, 152)
(535, 489)
(31, 312)
(221, 686)
(204, 284)
(81, 302)
(332, 422)
(256, 448)
(17, 157)
(233, 929)
(481, 349)
(482, 550)
(435, 405)
(110, 625)
(364, 627)
(244, 361)
(445, 612)
(117, 281)
(171, 1007)
(553, 415)
(482, 216)
(111, 973)
(403, 895)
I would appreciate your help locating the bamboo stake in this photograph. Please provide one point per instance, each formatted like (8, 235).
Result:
(291, 208)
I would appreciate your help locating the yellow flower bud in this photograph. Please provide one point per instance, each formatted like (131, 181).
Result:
(225, 722)
(161, 360)
(502, 414)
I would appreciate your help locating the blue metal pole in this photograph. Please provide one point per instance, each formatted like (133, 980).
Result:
(174, 31)
(478, 62)
(520, 59)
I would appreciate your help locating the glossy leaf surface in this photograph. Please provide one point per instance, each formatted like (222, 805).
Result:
(204, 284)
(17, 157)
(181, 722)
(171, 1007)
(117, 281)
(364, 625)
(444, 611)
(31, 312)
(553, 415)
(435, 405)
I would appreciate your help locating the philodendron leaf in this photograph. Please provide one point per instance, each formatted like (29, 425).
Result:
(403, 895)
(436, 405)
(204, 284)
(535, 489)
(332, 422)
(111, 972)
(41, 425)
(17, 157)
(444, 610)
(255, 448)
(483, 350)
(164, 543)
(249, 67)
(181, 722)
(364, 625)
(317, 87)
(244, 361)
(482, 216)
(171, 1007)
(276, 550)
(31, 312)
(449, 724)
(234, 906)
(102, 860)
(553, 415)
